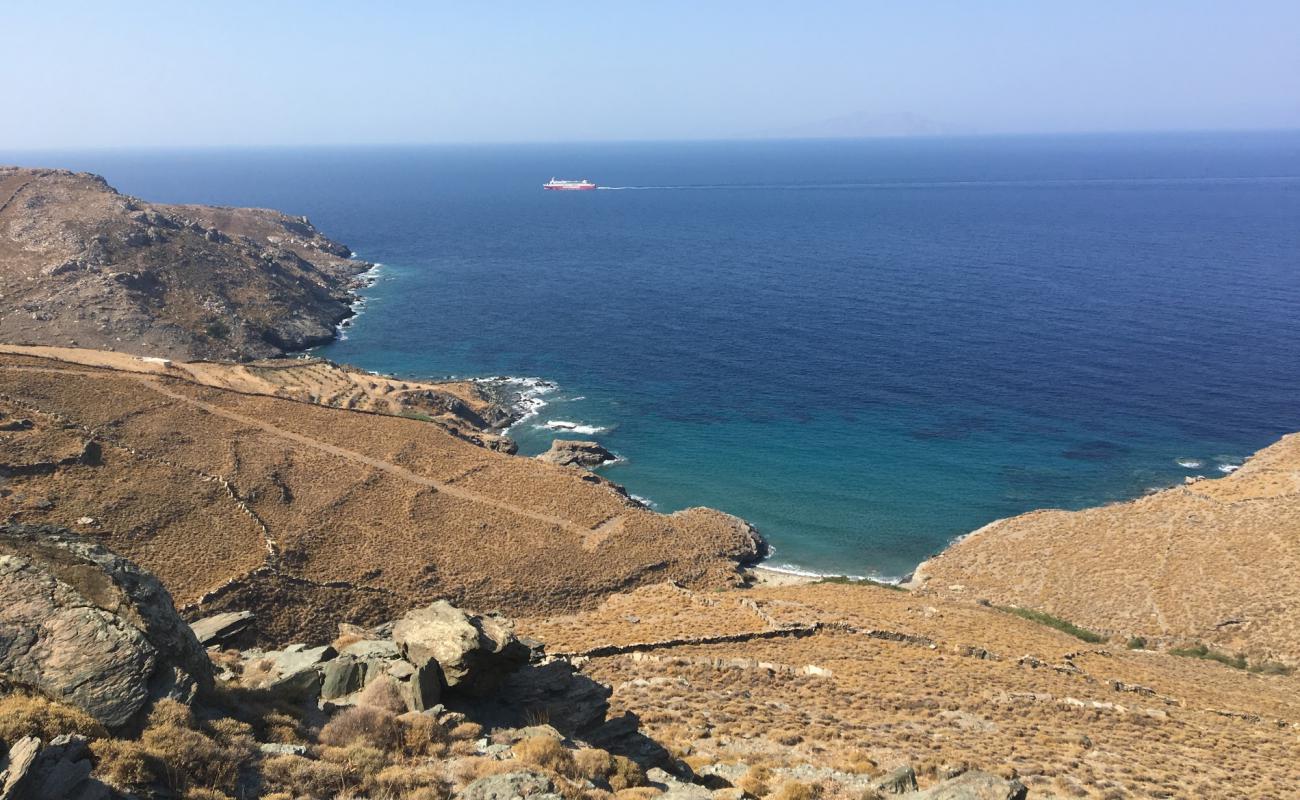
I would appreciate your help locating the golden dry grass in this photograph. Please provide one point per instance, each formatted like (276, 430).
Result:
(323, 515)
(892, 677)
(1212, 561)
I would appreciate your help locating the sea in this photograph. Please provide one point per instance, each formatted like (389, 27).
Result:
(864, 347)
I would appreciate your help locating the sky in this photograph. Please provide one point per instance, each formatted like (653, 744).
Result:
(142, 73)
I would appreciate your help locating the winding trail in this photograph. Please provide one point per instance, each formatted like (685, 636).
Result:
(369, 461)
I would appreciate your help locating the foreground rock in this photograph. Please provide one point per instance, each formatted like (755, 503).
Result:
(569, 452)
(471, 653)
(61, 769)
(83, 265)
(86, 627)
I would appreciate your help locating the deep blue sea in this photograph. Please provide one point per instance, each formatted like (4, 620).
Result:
(866, 348)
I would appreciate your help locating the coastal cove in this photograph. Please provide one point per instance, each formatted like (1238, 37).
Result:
(864, 348)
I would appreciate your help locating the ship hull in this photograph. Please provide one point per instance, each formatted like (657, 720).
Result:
(586, 188)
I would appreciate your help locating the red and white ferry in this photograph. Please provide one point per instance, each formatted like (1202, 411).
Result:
(568, 186)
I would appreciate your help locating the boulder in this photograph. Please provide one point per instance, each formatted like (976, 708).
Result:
(89, 628)
(60, 769)
(472, 653)
(898, 781)
(510, 786)
(975, 786)
(570, 452)
(222, 629)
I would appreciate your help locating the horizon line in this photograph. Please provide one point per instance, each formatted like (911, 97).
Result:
(599, 142)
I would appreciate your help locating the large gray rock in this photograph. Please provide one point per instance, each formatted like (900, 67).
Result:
(473, 653)
(898, 781)
(510, 786)
(571, 452)
(89, 628)
(60, 769)
(975, 786)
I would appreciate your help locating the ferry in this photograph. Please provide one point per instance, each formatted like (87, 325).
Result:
(569, 186)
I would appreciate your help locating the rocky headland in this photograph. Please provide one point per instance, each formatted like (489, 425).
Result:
(226, 576)
(85, 266)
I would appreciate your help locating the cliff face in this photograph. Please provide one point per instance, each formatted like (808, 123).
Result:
(82, 265)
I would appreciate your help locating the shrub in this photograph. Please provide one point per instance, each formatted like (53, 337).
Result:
(593, 764)
(1204, 652)
(303, 777)
(467, 730)
(27, 715)
(547, 753)
(422, 735)
(383, 693)
(374, 726)
(1137, 643)
(194, 793)
(188, 757)
(1065, 626)
(627, 774)
(794, 790)
(754, 781)
(123, 763)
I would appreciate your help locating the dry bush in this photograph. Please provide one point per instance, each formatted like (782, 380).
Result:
(593, 764)
(547, 753)
(374, 726)
(361, 760)
(345, 639)
(304, 777)
(637, 793)
(123, 763)
(627, 774)
(422, 735)
(468, 770)
(197, 793)
(383, 693)
(190, 757)
(27, 715)
(467, 730)
(754, 781)
(465, 747)
(794, 790)
(402, 780)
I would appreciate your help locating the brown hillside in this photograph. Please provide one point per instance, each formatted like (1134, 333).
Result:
(247, 501)
(83, 265)
(1213, 561)
(826, 681)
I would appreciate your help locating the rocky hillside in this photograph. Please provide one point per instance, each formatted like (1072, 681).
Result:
(311, 515)
(82, 265)
(1213, 563)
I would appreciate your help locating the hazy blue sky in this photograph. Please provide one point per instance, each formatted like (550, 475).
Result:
(182, 73)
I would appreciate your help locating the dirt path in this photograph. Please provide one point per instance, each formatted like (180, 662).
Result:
(360, 458)
(351, 455)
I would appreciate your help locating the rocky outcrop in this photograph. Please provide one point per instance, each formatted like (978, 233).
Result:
(511, 786)
(83, 265)
(61, 769)
(89, 628)
(472, 653)
(222, 629)
(572, 452)
(975, 786)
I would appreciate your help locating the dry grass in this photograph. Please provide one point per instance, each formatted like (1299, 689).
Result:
(548, 754)
(417, 513)
(188, 757)
(892, 677)
(377, 727)
(27, 715)
(1213, 561)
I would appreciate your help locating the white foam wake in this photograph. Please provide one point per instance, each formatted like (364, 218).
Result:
(575, 427)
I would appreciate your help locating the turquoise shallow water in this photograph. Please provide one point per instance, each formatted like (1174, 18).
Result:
(865, 348)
